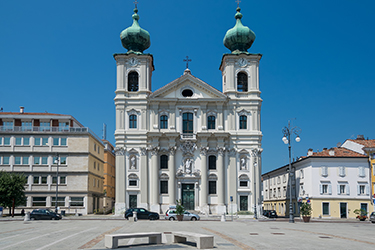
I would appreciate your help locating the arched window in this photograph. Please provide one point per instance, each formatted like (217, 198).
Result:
(242, 82)
(212, 162)
(211, 122)
(132, 121)
(163, 122)
(133, 81)
(243, 122)
(187, 123)
(164, 162)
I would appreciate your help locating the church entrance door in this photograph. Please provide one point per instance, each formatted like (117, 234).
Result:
(132, 201)
(188, 196)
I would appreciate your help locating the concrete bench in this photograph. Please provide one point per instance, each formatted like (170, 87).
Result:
(202, 240)
(111, 240)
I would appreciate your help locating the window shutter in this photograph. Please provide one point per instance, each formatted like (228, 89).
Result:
(367, 189)
(338, 189)
(347, 189)
(321, 189)
(329, 188)
(358, 189)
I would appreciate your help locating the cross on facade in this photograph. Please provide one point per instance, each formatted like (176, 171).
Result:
(135, 2)
(187, 60)
(238, 3)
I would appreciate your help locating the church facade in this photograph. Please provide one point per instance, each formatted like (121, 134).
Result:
(187, 140)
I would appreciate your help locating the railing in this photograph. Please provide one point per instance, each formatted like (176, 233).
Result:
(188, 136)
(49, 129)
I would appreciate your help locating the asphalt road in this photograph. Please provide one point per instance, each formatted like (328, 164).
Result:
(239, 234)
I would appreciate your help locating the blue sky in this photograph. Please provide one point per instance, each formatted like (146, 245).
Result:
(56, 56)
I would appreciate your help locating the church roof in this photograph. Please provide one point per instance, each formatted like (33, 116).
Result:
(187, 79)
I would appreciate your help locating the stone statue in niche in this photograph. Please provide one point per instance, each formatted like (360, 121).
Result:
(133, 162)
(188, 164)
(243, 163)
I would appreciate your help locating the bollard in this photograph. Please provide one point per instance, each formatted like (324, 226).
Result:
(223, 217)
(27, 217)
(135, 216)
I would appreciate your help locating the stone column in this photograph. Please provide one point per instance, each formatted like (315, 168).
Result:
(204, 184)
(120, 205)
(154, 170)
(172, 176)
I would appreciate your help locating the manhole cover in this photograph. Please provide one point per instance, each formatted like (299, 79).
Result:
(278, 233)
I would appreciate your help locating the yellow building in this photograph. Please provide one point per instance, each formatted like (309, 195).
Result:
(109, 175)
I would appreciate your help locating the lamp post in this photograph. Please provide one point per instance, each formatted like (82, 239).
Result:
(57, 162)
(256, 153)
(288, 132)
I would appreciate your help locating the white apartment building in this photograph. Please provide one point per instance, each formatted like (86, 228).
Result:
(336, 181)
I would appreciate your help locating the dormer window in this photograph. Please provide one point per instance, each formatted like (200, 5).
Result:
(133, 81)
(242, 82)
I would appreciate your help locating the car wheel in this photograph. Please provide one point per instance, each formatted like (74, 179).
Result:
(171, 219)
(32, 218)
(193, 219)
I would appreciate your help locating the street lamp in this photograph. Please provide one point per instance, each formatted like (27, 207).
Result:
(288, 132)
(57, 162)
(256, 153)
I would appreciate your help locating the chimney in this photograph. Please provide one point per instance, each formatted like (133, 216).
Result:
(324, 149)
(22, 109)
(360, 137)
(310, 152)
(331, 152)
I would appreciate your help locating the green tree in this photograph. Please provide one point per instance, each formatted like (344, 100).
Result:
(12, 190)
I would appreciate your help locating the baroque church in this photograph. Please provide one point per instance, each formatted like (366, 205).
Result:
(187, 140)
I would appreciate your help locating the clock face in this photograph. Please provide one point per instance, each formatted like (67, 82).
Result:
(242, 62)
(133, 61)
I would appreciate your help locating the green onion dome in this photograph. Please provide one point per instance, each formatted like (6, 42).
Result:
(239, 38)
(135, 39)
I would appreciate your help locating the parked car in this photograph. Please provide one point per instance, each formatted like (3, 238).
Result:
(171, 215)
(142, 214)
(372, 217)
(270, 213)
(44, 214)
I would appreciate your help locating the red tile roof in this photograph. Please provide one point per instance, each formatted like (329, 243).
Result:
(339, 152)
(29, 113)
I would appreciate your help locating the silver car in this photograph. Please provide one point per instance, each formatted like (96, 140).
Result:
(372, 217)
(171, 215)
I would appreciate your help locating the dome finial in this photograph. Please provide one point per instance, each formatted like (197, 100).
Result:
(239, 38)
(135, 39)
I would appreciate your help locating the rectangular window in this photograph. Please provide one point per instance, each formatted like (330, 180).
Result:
(164, 187)
(39, 201)
(325, 208)
(36, 180)
(44, 141)
(18, 141)
(93, 182)
(56, 141)
(37, 141)
(36, 160)
(163, 122)
(132, 121)
(6, 141)
(362, 172)
(1, 140)
(26, 141)
(63, 141)
(17, 160)
(26, 126)
(63, 126)
(211, 122)
(342, 171)
(362, 189)
(324, 171)
(6, 160)
(62, 179)
(243, 183)
(44, 160)
(132, 183)
(342, 189)
(25, 160)
(76, 201)
(243, 122)
(45, 126)
(212, 187)
(63, 160)
(54, 179)
(60, 201)
(44, 179)
(212, 162)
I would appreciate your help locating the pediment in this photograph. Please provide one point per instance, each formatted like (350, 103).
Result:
(200, 89)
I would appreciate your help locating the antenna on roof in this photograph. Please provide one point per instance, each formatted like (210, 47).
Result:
(104, 131)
